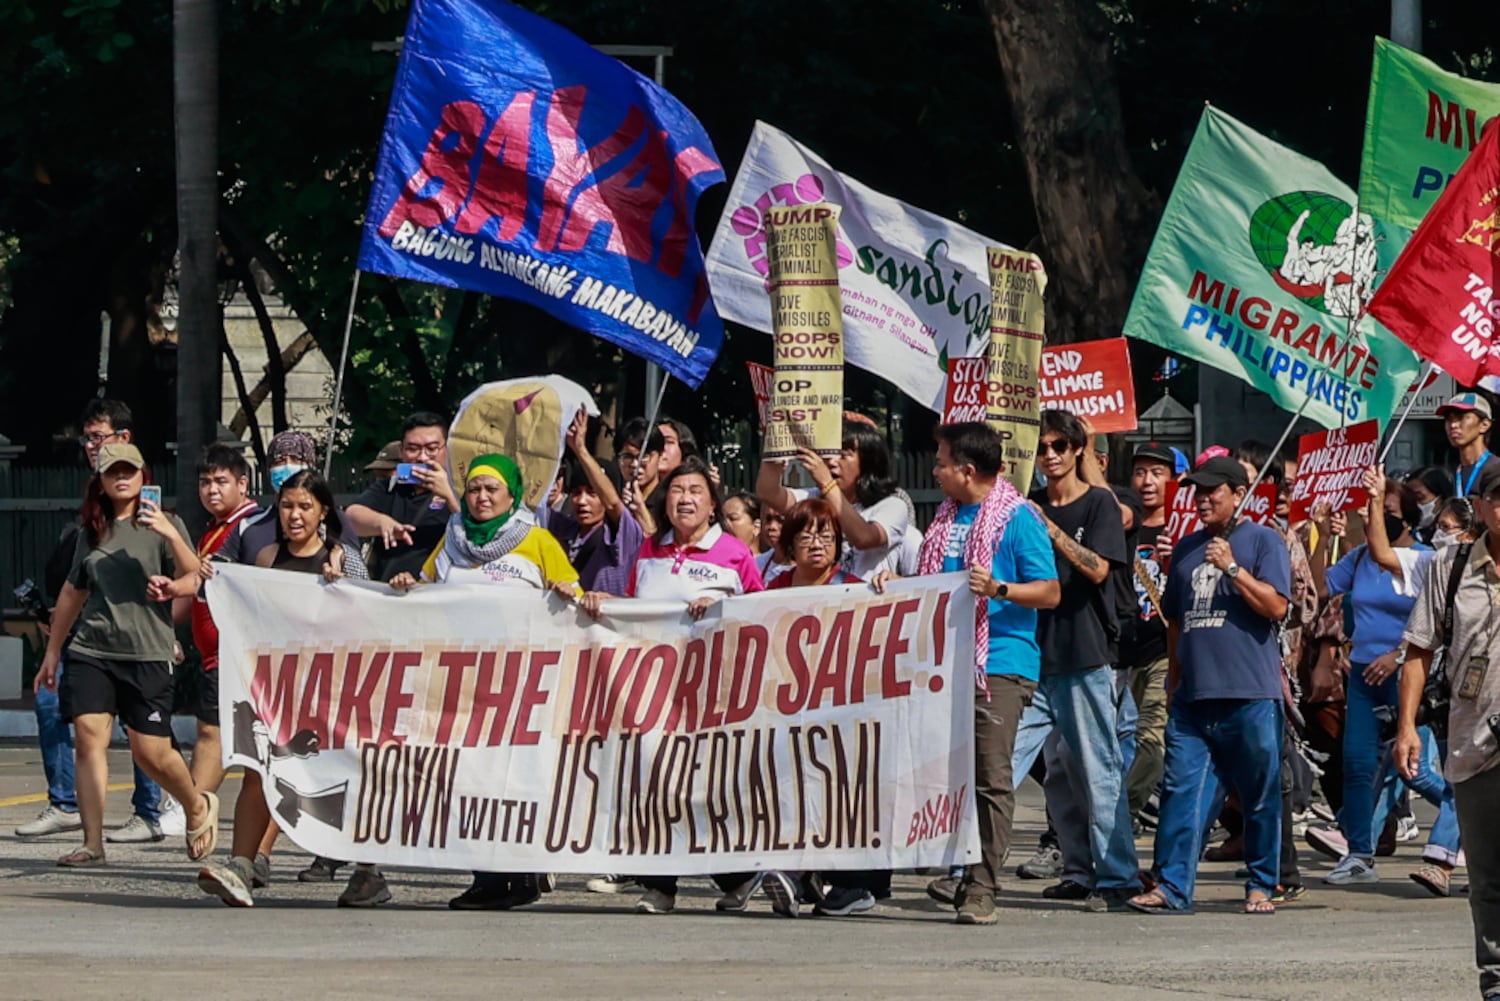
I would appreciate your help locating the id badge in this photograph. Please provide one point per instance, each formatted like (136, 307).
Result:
(1473, 677)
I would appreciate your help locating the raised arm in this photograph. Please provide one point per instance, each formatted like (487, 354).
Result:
(1377, 543)
(578, 442)
(769, 488)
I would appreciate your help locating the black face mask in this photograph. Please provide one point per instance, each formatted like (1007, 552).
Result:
(1394, 527)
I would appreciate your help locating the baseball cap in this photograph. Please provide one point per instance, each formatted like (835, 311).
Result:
(1101, 442)
(121, 451)
(386, 458)
(1156, 452)
(1219, 469)
(1468, 401)
(1211, 452)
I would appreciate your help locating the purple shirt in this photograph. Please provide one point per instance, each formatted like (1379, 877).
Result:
(607, 567)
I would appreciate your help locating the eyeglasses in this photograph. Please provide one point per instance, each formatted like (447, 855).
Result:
(820, 539)
(97, 438)
(432, 449)
(1057, 445)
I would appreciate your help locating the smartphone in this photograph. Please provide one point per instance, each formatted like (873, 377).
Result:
(405, 474)
(151, 497)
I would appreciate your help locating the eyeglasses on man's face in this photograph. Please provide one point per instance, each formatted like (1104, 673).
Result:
(431, 449)
(97, 438)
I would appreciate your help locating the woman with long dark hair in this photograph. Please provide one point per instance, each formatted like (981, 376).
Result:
(861, 485)
(120, 657)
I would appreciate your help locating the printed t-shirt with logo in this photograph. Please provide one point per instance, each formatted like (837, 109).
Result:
(890, 513)
(424, 510)
(1022, 555)
(1150, 628)
(205, 633)
(717, 565)
(1227, 650)
(537, 561)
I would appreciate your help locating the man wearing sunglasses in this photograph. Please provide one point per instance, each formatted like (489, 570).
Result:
(408, 515)
(1078, 696)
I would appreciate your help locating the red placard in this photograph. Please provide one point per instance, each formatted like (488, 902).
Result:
(1182, 511)
(1092, 379)
(760, 384)
(965, 399)
(1331, 466)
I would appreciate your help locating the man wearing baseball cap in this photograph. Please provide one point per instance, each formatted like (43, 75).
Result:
(1467, 418)
(1227, 589)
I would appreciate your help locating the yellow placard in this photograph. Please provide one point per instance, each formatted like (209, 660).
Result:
(1017, 280)
(807, 391)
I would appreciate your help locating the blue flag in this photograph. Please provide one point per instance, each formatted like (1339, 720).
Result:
(521, 162)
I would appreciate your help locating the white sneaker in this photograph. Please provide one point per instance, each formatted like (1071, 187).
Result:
(1407, 829)
(1351, 871)
(609, 884)
(655, 902)
(135, 831)
(173, 818)
(50, 821)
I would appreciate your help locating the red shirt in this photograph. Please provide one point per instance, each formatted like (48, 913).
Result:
(839, 577)
(205, 633)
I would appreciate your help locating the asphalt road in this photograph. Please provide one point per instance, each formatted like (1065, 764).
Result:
(140, 928)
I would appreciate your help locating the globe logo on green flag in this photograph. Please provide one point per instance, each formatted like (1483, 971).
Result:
(1313, 247)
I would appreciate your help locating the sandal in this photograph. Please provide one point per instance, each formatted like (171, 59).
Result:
(209, 828)
(1260, 905)
(1434, 878)
(82, 858)
(1155, 902)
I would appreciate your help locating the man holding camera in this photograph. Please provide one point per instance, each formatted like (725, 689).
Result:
(1467, 625)
(409, 514)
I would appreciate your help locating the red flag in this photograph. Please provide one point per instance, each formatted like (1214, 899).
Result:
(1440, 295)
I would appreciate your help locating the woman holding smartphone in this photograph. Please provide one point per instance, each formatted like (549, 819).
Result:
(120, 657)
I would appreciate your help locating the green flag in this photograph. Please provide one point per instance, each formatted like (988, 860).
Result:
(1421, 124)
(1256, 269)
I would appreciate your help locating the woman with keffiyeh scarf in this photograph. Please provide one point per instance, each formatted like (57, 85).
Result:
(493, 538)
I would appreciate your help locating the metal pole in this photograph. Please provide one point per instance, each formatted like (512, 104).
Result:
(1406, 23)
(655, 386)
(1391, 434)
(338, 382)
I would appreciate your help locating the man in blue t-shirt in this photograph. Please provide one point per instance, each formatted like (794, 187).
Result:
(1016, 579)
(1227, 589)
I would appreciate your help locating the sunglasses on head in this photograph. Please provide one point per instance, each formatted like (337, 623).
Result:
(1057, 445)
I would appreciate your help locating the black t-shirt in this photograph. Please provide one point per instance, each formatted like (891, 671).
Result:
(1121, 575)
(256, 532)
(426, 511)
(1466, 478)
(1150, 629)
(1081, 632)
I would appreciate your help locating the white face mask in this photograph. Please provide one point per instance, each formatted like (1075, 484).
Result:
(1442, 540)
(1429, 512)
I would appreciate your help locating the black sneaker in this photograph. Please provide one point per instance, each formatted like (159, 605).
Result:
(493, 895)
(367, 888)
(1067, 890)
(322, 870)
(843, 901)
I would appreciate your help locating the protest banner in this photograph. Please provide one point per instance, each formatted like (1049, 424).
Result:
(1017, 281)
(1091, 379)
(1421, 124)
(760, 385)
(825, 728)
(1331, 467)
(966, 398)
(914, 285)
(1440, 296)
(1258, 267)
(1182, 510)
(519, 161)
(807, 391)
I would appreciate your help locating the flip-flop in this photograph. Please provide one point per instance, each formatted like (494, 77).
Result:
(82, 858)
(1159, 908)
(209, 827)
(1434, 879)
(1260, 906)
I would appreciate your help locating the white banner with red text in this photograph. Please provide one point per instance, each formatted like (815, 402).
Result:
(471, 726)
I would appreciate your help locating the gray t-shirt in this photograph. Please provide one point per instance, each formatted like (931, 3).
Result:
(118, 622)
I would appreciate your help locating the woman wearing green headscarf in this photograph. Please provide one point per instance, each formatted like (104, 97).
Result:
(494, 539)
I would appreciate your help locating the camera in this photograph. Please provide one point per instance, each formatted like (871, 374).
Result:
(30, 598)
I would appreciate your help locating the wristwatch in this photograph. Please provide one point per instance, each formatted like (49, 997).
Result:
(1233, 570)
(1001, 589)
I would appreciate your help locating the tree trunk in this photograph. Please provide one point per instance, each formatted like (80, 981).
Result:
(1095, 216)
(195, 78)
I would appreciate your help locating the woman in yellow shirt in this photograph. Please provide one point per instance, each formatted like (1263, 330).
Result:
(493, 538)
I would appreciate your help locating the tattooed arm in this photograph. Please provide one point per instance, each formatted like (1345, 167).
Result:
(1085, 560)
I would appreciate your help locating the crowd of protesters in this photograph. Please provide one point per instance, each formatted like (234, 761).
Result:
(1280, 681)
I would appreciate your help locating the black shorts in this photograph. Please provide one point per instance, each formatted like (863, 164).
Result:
(139, 693)
(206, 706)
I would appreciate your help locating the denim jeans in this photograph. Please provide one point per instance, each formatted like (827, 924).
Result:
(1083, 708)
(56, 739)
(1237, 741)
(1362, 758)
(1442, 840)
(1067, 798)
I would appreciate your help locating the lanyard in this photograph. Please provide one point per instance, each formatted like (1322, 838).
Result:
(1473, 473)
